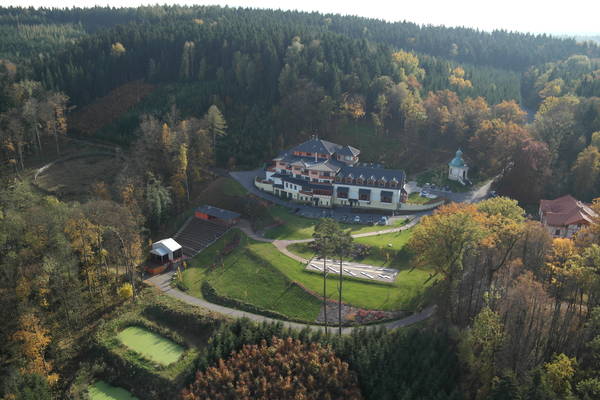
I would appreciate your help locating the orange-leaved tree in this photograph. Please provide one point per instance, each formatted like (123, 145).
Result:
(286, 369)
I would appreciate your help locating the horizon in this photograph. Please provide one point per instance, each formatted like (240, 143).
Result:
(512, 15)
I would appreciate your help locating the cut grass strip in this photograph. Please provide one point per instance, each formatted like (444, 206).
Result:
(101, 390)
(152, 346)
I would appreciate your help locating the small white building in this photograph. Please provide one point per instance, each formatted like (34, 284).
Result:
(457, 169)
(166, 250)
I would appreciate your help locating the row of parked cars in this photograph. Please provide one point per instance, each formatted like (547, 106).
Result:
(346, 218)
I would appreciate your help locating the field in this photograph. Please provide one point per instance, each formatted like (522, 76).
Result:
(259, 274)
(294, 227)
(61, 181)
(249, 278)
(103, 391)
(150, 345)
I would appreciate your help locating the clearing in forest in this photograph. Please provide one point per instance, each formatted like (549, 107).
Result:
(103, 391)
(152, 346)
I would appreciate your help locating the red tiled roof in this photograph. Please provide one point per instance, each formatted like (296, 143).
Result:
(566, 210)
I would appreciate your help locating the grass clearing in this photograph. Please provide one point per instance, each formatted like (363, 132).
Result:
(257, 273)
(60, 179)
(150, 345)
(245, 276)
(101, 390)
(294, 227)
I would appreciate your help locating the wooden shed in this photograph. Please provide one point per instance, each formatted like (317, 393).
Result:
(217, 215)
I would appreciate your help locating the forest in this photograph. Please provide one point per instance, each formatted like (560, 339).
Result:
(175, 95)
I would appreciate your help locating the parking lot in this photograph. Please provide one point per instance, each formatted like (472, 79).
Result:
(342, 215)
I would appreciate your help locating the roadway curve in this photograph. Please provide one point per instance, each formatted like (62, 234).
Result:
(163, 283)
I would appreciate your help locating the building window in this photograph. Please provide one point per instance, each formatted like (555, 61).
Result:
(557, 232)
(348, 180)
(386, 197)
(359, 181)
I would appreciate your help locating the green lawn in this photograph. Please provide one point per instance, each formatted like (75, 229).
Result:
(295, 227)
(247, 277)
(386, 250)
(416, 198)
(152, 346)
(259, 274)
(103, 391)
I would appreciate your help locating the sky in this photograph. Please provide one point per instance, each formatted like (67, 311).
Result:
(574, 17)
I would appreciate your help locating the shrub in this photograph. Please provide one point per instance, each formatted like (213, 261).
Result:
(125, 292)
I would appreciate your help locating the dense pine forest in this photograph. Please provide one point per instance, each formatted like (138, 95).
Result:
(174, 96)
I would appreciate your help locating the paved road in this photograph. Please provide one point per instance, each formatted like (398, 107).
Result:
(163, 281)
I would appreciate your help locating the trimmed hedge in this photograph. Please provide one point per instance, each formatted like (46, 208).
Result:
(166, 317)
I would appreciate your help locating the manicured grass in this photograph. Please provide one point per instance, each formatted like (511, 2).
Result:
(152, 346)
(295, 227)
(416, 198)
(259, 274)
(103, 391)
(404, 294)
(386, 250)
(245, 276)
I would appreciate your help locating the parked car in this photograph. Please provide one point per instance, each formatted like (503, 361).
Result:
(344, 218)
(382, 221)
(357, 219)
(370, 220)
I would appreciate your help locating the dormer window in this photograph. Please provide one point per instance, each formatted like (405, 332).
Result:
(338, 179)
(382, 182)
(359, 181)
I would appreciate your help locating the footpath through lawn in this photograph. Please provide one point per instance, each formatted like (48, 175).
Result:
(257, 273)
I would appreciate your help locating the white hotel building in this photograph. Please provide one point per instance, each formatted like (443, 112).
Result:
(325, 174)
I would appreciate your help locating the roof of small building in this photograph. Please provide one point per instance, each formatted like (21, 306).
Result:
(457, 161)
(566, 210)
(217, 212)
(168, 244)
(348, 151)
